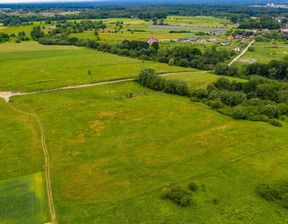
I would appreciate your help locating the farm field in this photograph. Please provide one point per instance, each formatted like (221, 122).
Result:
(111, 157)
(200, 79)
(36, 67)
(27, 200)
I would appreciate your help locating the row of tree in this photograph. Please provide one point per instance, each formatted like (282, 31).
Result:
(273, 70)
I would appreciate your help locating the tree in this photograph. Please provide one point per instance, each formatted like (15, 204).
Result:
(239, 112)
(221, 69)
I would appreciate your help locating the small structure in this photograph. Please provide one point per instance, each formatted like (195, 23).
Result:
(238, 49)
(181, 40)
(207, 32)
(192, 38)
(244, 40)
(238, 36)
(252, 36)
(230, 37)
(266, 30)
(212, 39)
(202, 40)
(221, 32)
(152, 40)
(225, 43)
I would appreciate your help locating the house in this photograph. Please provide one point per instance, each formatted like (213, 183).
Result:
(244, 40)
(181, 40)
(230, 37)
(225, 43)
(237, 49)
(207, 32)
(152, 40)
(252, 36)
(212, 39)
(192, 39)
(238, 36)
(221, 33)
(215, 32)
(202, 40)
(266, 30)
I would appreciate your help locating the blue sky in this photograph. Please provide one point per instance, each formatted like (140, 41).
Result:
(19, 1)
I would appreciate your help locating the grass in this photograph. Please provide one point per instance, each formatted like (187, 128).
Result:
(264, 52)
(111, 157)
(199, 79)
(30, 66)
(23, 200)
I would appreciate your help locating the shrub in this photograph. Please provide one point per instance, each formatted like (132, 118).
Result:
(275, 123)
(195, 99)
(216, 104)
(176, 194)
(267, 192)
(239, 112)
(192, 186)
(254, 101)
(201, 93)
(271, 111)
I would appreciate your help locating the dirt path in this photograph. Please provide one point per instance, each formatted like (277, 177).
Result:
(47, 164)
(243, 52)
(6, 95)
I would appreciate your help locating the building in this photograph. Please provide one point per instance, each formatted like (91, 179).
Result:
(230, 37)
(192, 38)
(225, 43)
(152, 40)
(244, 40)
(221, 32)
(238, 49)
(202, 40)
(212, 39)
(181, 40)
(238, 36)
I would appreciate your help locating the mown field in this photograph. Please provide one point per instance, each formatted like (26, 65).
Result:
(110, 157)
(30, 66)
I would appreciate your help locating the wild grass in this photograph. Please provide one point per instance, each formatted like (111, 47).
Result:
(110, 157)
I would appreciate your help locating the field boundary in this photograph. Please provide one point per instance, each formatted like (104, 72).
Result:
(47, 162)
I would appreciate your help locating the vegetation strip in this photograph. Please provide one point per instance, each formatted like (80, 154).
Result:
(47, 166)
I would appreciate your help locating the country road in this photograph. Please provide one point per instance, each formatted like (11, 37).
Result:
(243, 52)
(6, 95)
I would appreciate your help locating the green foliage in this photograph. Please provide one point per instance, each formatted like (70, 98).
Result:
(239, 112)
(272, 111)
(192, 186)
(148, 78)
(176, 194)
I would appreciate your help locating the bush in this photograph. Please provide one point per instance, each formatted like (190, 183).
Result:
(201, 93)
(272, 111)
(216, 104)
(239, 112)
(176, 194)
(192, 186)
(275, 123)
(195, 99)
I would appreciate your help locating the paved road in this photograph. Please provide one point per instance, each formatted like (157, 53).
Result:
(243, 52)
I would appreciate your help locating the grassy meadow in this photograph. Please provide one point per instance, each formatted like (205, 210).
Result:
(200, 79)
(110, 157)
(30, 66)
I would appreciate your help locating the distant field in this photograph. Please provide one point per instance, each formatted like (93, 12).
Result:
(36, 67)
(110, 167)
(200, 79)
(198, 21)
(265, 52)
(23, 200)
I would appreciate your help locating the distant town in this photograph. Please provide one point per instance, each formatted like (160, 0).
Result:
(271, 5)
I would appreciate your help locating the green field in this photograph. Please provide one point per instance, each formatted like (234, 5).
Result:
(23, 200)
(43, 67)
(200, 79)
(110, 167)
(265, 52)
